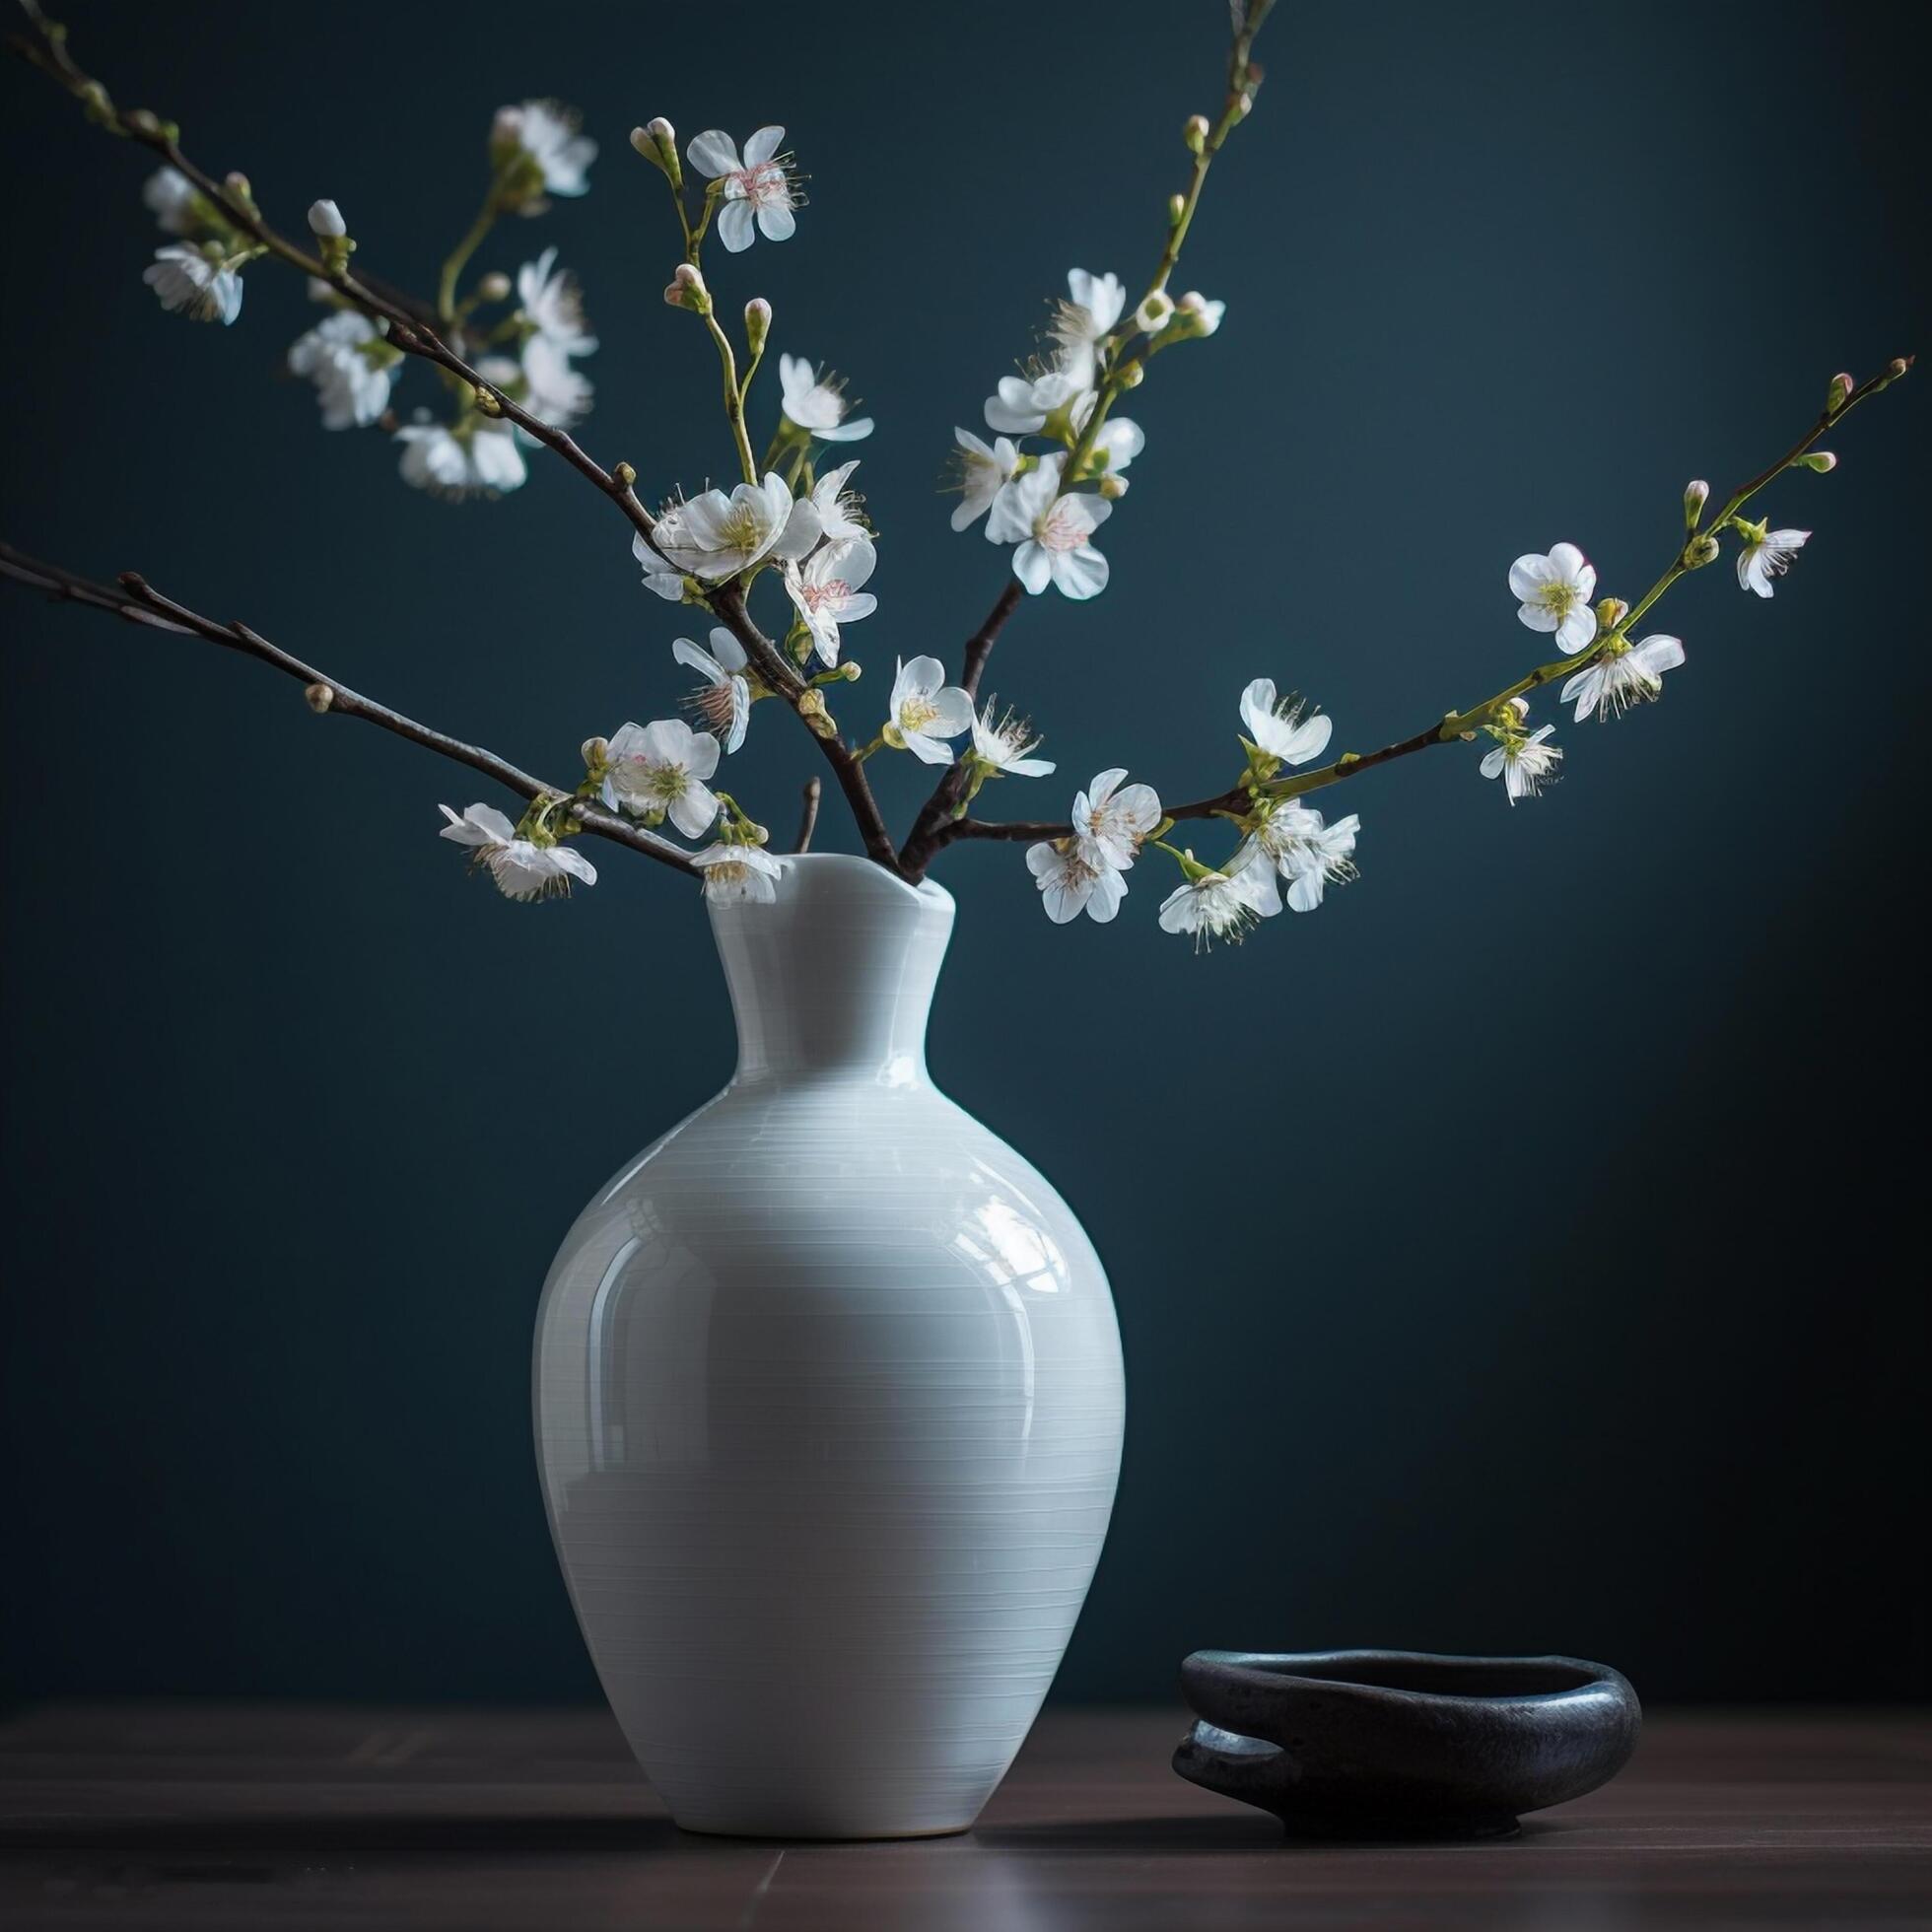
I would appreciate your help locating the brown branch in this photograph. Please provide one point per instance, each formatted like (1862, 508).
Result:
(139, 602)
(808, 819)
(920, 842)
(782, 676)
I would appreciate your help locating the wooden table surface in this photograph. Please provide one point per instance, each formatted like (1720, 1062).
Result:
(267, 1817)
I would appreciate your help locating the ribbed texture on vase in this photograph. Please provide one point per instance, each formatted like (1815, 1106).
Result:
(828, 1404)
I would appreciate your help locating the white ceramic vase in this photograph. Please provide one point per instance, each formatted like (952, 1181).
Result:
(828, 1403)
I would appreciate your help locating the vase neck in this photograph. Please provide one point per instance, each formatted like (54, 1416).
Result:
(837, 975)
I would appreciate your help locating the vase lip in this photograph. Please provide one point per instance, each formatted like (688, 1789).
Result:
(855, 867)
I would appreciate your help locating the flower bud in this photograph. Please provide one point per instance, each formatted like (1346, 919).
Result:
(236, 184)
(1176, 207)
(1202, 316)
(1154, 310)
(1699, 551)
(1521, 707)
(1132, 376)
(1821, 460)
(623, 475)
(317, 696)
(687, 289)
(657, 142)
(1897, 366)
(494, 287)
(1195, 133)
(1696, 495)
(486, 401)
(1611, 612)
(757, 323)
(1113, 488)
(811, 708)
(596, 756)
(325, 217)
(849, 670)
(1834, 398)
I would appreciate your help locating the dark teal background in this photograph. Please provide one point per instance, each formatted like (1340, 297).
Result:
(1523, 1254)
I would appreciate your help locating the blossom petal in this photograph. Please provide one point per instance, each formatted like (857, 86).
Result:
(714, 152)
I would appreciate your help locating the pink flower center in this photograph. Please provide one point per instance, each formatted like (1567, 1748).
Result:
(834, 590)
(1061, 529)
(764, 186)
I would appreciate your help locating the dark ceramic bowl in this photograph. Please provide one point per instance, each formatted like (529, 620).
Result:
(1397, 1744)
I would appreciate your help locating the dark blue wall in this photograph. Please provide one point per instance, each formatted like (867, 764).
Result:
(1514, 1256)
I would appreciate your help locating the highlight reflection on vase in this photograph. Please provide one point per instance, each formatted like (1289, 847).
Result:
(828, 1403)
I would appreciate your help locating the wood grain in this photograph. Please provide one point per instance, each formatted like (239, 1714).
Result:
(222, 1817)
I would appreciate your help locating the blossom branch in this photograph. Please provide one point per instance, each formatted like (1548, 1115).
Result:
(1699, 549)
(137, 601)
(409, 328)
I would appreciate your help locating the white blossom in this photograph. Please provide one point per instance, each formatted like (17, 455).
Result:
(665, 579)
(828, 590)
(523, 868)
(1081, 323)
(724, 700)
(1110, 819)
(1281, 839)
(325, 220)
(547, 132)
(353, 390)
(760, 188)
(1004, 746)
(1524, 764)
(816, 404)
(984, 471)
(1220, 905)
(1554, 593)
(1070, 883)
(1053, 531)
(659, 770)
(481, 458)
(1024, 403)
(553, 389)
(837, 506)
(552, 303)
(1280, 727)
(1766, 554)
(1625, 674)
(925, 710)
(191, 285)
(170, 196)
(740, 871)
(716, 535)
(1320, 859)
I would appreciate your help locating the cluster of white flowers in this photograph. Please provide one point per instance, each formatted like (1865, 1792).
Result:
(536, 153)
(1028, 499)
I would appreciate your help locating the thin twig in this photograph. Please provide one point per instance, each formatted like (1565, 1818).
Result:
(808, 819)
(139, 602)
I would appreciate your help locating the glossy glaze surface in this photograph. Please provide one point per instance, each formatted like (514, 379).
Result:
(828, 1403)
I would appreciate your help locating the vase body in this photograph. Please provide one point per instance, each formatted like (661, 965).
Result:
(828, 1403)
